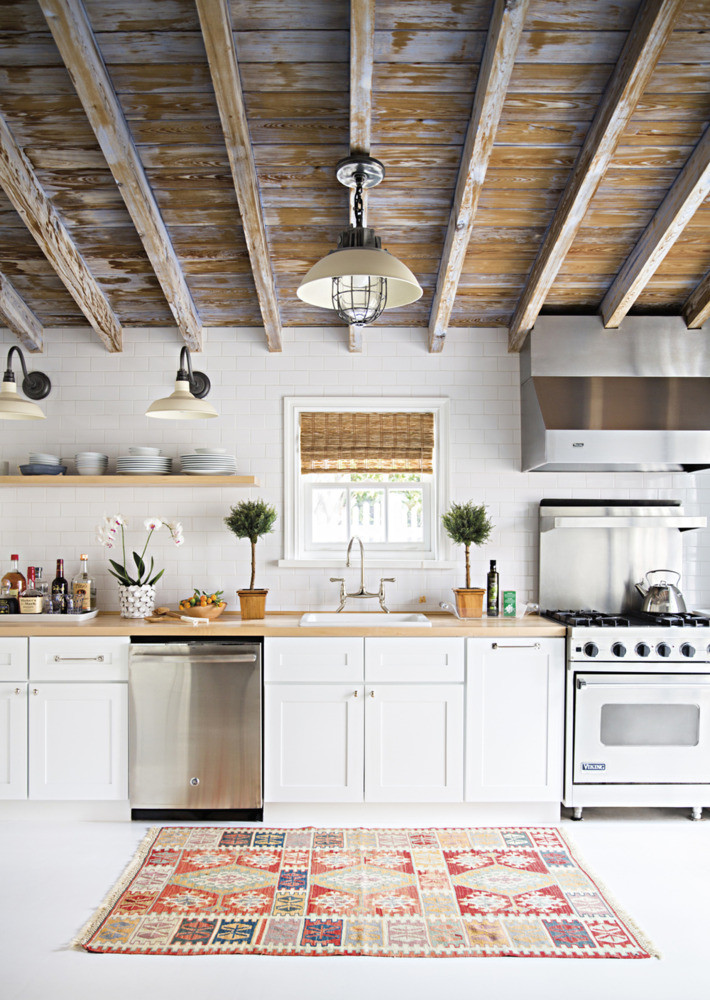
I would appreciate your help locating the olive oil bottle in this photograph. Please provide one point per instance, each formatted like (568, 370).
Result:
(492, 592)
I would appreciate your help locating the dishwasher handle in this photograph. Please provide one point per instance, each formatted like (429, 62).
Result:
(232, 658)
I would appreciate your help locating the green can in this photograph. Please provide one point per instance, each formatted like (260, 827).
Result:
(509, 604)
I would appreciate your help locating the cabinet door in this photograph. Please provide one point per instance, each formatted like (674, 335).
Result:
(313, 745)
(414, 743)
(78, 741)
(514, 720)
(13, 741)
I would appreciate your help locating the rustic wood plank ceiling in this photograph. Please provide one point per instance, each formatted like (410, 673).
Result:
(294, 61)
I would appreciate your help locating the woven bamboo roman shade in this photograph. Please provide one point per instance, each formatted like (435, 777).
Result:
(367, 442)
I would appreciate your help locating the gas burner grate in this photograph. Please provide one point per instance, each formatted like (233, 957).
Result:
(589, 618)
(677, 620)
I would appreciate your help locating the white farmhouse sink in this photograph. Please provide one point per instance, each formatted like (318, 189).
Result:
(327, 619)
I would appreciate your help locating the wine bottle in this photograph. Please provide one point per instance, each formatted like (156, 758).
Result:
(14, 579)
(60, 588)
(492, 598)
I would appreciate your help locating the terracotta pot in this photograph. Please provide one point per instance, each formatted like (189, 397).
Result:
(469, 601)
(252, 603)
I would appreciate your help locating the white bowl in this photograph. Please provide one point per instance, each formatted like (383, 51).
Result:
(90, 456)
(90, 472)
(135, 450)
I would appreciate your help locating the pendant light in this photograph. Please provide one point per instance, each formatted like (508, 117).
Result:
(35, 385)
(186, 402)
(359, 279)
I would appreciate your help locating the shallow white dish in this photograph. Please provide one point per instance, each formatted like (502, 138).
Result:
(139, 450)
(209, 472)
(210, 451)
(80, 619)
(378, 619)
(39, 458)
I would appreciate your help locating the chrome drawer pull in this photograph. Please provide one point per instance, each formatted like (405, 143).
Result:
(512, 645)
(75, 659)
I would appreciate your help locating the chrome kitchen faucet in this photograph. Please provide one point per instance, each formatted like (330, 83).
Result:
(380, 594)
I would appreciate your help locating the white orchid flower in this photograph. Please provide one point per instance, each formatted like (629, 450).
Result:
(153, 524)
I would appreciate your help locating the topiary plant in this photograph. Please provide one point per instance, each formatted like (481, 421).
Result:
(251, 519)
(467, 524)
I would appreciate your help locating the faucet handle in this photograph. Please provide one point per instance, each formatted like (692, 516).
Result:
(337, 579)
(388, 579)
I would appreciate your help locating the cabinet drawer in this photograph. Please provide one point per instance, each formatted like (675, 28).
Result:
(104, 658)
(313, 659)
(429, 660)
(13, 659)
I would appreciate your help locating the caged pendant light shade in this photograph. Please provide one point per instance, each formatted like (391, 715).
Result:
(359, 279)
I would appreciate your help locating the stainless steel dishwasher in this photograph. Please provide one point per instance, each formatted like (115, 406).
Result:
(195, 723)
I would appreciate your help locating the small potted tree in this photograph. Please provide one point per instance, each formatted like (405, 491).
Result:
(251, 519)
(468, 524)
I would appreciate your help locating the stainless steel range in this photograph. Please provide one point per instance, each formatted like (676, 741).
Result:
(638, 685)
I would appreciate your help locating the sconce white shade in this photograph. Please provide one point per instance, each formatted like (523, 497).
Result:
(317, 287)
(14, 407)
(181, 405)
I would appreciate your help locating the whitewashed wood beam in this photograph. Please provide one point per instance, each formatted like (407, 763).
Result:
(697, 307)
(504, 35)
(644, 44)
(688, 192)
(74, 37)
(362, 61)
(216, 27)
(24, 190)
(19, 317)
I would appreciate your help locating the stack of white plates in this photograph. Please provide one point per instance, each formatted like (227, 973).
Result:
(144, 465)
(91, 463)
(209, 462)
(40, 458)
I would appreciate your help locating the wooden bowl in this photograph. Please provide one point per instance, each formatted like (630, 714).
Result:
(210, 611)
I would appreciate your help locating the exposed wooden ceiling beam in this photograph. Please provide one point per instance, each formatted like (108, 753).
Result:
(362, 61)
(675, 212)
(697, 307)
(644, 44)
(222, 57)
(24, 190)
(496, 67)
(19, 317)
(72, 32)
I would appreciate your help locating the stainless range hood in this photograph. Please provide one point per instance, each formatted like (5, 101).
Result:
(596, 400)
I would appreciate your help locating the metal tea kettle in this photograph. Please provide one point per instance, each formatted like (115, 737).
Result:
(662, 598)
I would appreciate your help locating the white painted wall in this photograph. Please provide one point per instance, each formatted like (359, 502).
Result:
(98, 402)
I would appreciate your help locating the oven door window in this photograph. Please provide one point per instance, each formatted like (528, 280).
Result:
(650, 725)
(641, 728)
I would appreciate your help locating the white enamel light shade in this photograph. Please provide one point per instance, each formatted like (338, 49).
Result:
(14, 407)
(317, 287)
(181, 405)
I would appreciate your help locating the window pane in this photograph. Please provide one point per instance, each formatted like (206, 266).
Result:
(328, 516)
(405, 516)
(367, 518)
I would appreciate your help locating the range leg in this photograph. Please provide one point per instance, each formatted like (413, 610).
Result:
(697, 812)
(577, 812)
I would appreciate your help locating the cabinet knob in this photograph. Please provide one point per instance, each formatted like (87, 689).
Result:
(194, 782)
(355, 694)
(18, 690)
(372, 694)
(35, 691)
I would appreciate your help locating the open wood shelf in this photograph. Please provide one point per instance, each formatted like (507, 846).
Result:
(108, 481)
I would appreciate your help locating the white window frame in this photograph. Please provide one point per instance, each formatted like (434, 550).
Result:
(296, 553)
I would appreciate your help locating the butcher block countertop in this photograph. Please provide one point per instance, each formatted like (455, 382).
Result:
(286, 624)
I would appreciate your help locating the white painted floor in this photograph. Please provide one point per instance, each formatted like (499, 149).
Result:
(655, 864)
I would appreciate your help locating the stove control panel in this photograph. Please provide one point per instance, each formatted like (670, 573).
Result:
(638, 648)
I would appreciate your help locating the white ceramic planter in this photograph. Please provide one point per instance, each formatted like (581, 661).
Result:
(136, 602)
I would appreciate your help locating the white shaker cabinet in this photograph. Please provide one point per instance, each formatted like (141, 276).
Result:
(13, 718)
(514, 719)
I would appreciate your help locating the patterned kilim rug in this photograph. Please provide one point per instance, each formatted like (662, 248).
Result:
(410, 893)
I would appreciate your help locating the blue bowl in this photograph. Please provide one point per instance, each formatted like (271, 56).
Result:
(43, 470)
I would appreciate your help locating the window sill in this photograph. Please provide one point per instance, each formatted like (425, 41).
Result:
(371, 561)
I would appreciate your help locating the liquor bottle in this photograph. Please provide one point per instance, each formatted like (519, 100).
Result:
(492, 599)
(83, 588)
(14, 578)
(60, 588)
(31, 600)
(8, 605)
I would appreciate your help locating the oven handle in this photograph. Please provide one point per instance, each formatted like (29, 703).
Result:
(581, 683)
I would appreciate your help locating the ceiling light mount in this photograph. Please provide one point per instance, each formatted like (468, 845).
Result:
(35, 385)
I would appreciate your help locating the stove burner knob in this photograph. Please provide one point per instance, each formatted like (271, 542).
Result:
(591, 649)
(687, 650)
(643, 649)
(663, 649)
(618, 649)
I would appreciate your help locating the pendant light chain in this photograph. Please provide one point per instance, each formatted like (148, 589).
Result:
(358, 207)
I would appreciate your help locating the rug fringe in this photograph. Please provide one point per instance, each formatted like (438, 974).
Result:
(642, 938)
(111, 898)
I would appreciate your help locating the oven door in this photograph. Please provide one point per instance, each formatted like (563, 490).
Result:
(641, 728)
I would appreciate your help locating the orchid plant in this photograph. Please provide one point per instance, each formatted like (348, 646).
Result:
(107, 535)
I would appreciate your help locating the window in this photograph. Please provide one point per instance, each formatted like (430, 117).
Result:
(370, 468)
